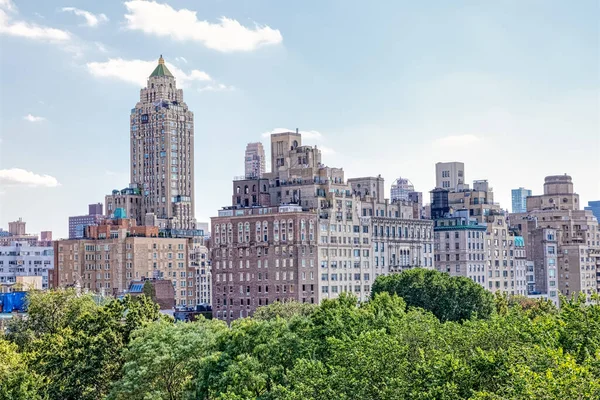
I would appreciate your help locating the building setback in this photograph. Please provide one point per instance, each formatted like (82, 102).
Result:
(162, 151)
(316, 225)
(563, 239)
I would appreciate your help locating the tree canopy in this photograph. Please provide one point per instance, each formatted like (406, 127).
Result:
(381, 349)
(448, 298)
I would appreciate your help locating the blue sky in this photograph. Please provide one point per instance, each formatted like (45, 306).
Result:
(386, 87)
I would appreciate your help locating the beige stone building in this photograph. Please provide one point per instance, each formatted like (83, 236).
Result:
(128, 199)
(460, 247)
(569, 262)
(162, 151)
(450, 175)
(335, 217)
(117, 253)
(502, 271)
(254, 160)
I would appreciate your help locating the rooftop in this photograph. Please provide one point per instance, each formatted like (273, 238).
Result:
(161, 69)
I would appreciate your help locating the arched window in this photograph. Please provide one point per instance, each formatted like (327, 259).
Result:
(253, 188)
(246, 189)
(237, 190)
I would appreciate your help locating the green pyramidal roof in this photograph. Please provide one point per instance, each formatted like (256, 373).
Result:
(161, 69)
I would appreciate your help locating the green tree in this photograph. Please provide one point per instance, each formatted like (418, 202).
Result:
(149, 291)
(17, 382)
(284, 310)
(76, 344)
(448, 298)
(162, 357)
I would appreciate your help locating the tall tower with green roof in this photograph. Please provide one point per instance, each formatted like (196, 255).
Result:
(162, 151)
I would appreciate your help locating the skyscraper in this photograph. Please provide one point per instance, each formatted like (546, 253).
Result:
(254, 160)
(400, 189)
(162, 150)
(594, 207)
(450, 175)
(519, 200)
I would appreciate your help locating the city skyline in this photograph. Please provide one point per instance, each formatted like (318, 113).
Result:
(73, 138)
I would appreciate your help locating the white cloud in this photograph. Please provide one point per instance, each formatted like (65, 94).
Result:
(228, 35)
(309, 135)
(8, 5)
(181, 59)
(33, 118)
(458, 140)
(30, 30)
(216, 88)
(138, 71)
(91, 20)
(21, 177)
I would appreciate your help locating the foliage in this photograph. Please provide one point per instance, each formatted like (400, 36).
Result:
(448, 298)
(284, 310)
(17, 382)
(162, 357)
(381, 349)
(76, 344)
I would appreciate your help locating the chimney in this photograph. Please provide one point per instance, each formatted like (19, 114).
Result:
(296, 130)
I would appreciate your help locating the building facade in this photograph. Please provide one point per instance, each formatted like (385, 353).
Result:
(519, 199)
(401, 189)
(23, 264)
(460, 247)
(117, 252)
(450, 175)
(262, 255)
(594, 207)
(129, 200)
(563, 240)
(17, 228)
(325, 226)
(162, 151)
(254, 160)
(77, 224)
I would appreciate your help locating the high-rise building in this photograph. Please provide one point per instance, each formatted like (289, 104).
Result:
(460, 247)
(162, 150)
(400, 189)
(562, 240)
(78, 223)
(254, 160)
(95, 209)
(25, 265)
(17, 228)
(117, 252)
(18, 233)
(128, 200)
(594, 207)
(519, 199)
(450, 175)
(459, 205)
(303, 232)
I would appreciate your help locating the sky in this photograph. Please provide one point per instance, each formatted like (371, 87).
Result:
(510, 88)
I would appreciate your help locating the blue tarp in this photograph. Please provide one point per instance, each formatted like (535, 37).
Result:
(14, 301)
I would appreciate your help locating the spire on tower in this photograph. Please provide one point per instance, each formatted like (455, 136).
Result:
(161, 69)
